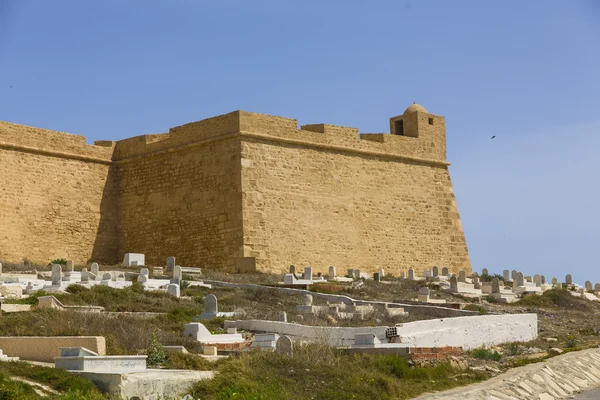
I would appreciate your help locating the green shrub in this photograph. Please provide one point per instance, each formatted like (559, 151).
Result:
(485, 354)
(571, 342)
(475, 307)
(157, 356)
(76, 289)
(60, 261)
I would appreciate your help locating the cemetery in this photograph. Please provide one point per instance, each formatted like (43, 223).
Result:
(153, 330)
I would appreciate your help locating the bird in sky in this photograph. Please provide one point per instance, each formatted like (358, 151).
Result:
(493, 136)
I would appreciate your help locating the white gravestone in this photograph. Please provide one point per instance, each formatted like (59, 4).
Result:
(56, 274)
(134, 260)
(173, 289)
(331, 272)
(95, 268)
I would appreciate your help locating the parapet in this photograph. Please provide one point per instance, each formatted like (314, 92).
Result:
(415, 134)
(53, 143)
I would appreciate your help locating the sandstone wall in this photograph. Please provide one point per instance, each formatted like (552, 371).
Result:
(319, 206)
(182, 201)
(57, 197)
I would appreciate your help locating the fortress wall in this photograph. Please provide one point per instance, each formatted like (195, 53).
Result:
(184, 203)
(429, 146)
(318, 207)
(56, 197)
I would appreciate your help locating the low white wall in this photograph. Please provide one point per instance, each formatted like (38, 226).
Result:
(467, 332)
(470, 332)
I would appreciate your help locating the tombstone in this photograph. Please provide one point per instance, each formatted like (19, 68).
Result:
(554, 281)
(356, 273)
(435, 272)
(453, 284)
(350, 273)
(402, 275)
(462, 276)
(376, 277)
(284, 346)
(29, 288)
(0, 269)
(106, 276)
(143, 276)
(91, 277)
(307, 299)
(70, 267)
(134, 259)
(445, 271)
(506, 275)
(543, 278)
(484, 271)
(331, 272)
(282, 316)
(476, 284)
(173, 290)
(513, 275)
(175, 281)
(84, 275)
(495, 285)
(210, 304)
(520, 280)
(293, 269)
(475, 274)
(170, 264)
(381, 272)
(424, 294)
(411, 274)
(308, 273)
(537, 280)
(588, 286)
(95, 268)
(56, 274)
(568, 279)
(597, 287)
(177, 273)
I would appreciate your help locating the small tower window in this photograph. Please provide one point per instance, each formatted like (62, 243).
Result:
(430, 121)
(399, 127)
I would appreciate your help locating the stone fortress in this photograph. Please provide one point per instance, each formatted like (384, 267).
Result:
(237, 191)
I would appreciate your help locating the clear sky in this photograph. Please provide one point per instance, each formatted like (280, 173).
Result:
(527, 72)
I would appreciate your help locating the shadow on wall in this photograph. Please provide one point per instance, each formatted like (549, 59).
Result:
(106, 244)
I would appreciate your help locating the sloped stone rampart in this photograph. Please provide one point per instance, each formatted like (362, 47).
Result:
(556, 378)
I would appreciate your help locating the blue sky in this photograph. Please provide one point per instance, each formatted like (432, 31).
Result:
(525, 71)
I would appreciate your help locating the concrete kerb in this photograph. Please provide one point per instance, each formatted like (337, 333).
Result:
(466, 332)
(439, 311)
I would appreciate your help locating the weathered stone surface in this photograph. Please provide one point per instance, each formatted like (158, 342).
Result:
(284, 345)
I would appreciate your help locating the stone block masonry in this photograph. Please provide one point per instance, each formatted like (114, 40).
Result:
(237, 187)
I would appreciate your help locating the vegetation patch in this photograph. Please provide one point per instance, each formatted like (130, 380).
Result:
(319, 372)
(485, 354)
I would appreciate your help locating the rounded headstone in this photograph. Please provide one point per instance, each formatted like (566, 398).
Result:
(284, 345)
(307, 299)
(210, 304)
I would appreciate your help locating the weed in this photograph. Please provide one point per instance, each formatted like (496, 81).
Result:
(485, 354)
(157, 356)
(475, 307)
(571, 341)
